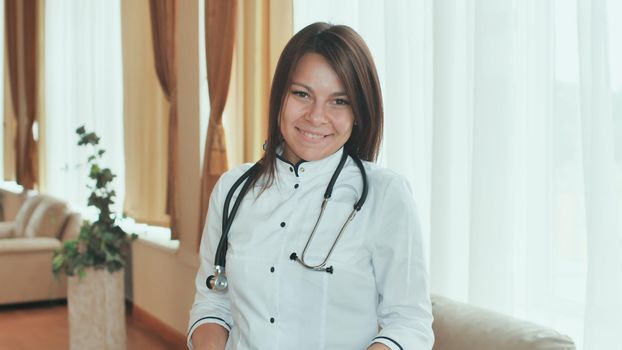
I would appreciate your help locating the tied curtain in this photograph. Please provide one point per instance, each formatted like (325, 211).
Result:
(163, 17)
(220, 25)
(21, 19)
(261, 30)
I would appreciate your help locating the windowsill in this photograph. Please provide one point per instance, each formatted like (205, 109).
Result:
(159, 237)
(154, 235)
(11, 186)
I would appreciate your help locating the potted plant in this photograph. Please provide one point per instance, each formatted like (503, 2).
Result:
(94, 264)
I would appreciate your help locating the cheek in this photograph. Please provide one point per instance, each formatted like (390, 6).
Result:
(344, 125)
(288, 115)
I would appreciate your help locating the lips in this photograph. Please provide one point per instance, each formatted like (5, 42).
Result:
(312, 136)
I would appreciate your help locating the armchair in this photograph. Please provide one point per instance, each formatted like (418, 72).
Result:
(33, 227)
(459, 326)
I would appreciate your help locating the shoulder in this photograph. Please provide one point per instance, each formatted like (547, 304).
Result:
(235, 172)
(385, 179)
(228, 178)
(388, 190)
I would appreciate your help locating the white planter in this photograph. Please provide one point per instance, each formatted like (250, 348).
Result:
(97, 311)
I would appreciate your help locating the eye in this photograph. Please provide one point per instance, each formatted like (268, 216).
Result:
(300, 93)
(342, 102)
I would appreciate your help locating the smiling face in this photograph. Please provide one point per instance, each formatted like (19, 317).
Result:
(317, 118)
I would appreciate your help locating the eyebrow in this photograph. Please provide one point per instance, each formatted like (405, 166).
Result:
(334, 94)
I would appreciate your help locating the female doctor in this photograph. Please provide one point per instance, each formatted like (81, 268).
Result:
(322, 250)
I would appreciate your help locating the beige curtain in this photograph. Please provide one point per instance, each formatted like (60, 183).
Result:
(265, 28)
(10, 125)
(21, 18)
(260, 35)
(163, 16)
(41, 115)
(220, 18)
(145, 110)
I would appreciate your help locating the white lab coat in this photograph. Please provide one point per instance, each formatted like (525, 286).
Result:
(272, 302)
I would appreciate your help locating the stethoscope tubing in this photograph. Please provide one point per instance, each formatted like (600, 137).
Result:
(219, 281)
(221, 251)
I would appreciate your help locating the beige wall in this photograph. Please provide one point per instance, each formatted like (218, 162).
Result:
(163, 284)
(164, 278)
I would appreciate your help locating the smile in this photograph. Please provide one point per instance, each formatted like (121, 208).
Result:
(310, 135)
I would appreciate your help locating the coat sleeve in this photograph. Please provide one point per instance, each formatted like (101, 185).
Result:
(210, 306)
(400, 267)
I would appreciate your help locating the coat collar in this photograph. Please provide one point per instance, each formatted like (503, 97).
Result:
(304, 168)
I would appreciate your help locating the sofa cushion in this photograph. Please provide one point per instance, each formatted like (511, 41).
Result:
(7, 229)
(72, 227)
(25, 212)
(47, 219)
(459, 326)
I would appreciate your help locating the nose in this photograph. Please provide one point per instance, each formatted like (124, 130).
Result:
(317, 114)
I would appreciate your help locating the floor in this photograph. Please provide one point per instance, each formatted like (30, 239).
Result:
(44, 326)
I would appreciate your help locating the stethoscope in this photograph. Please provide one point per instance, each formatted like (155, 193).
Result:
(218, 280)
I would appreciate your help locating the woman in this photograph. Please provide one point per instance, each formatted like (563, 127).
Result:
(353, 279)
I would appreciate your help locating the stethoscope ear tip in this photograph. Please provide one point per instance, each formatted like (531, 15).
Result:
(293, 256)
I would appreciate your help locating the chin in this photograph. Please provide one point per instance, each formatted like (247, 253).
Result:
(316, 155)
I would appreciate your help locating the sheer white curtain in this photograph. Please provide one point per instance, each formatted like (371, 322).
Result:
(84, 86)
(505, 116)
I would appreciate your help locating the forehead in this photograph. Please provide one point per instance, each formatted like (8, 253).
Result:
(315, 71)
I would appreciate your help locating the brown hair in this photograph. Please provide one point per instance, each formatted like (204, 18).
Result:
(351, 60)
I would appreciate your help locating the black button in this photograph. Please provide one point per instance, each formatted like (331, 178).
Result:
(282, 224)
(271, 319)
(296, 186)
(291, 169)
(272, 269)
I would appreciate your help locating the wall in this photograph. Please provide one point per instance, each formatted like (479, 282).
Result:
(163, 284)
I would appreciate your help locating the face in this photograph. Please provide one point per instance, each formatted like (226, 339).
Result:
(317, 117)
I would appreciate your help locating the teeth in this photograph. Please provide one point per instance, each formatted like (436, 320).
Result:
(312, 136)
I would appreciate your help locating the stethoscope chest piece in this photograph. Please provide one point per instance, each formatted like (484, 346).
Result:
(218, 281)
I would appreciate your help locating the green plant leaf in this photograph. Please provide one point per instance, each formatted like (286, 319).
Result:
(100, 244)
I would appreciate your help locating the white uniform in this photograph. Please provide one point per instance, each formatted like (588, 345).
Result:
(272, 302)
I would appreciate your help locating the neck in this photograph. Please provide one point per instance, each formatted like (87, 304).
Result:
(289, 155)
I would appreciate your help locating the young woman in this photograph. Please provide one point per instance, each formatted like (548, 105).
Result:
(322, 250)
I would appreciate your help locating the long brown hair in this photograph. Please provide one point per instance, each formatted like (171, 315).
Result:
(350, 58)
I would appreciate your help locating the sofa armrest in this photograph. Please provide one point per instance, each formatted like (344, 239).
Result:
(26, 271)
(459, 326)
(27, 245)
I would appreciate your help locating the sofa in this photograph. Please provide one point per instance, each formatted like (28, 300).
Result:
(459, 326)
(32, 227)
